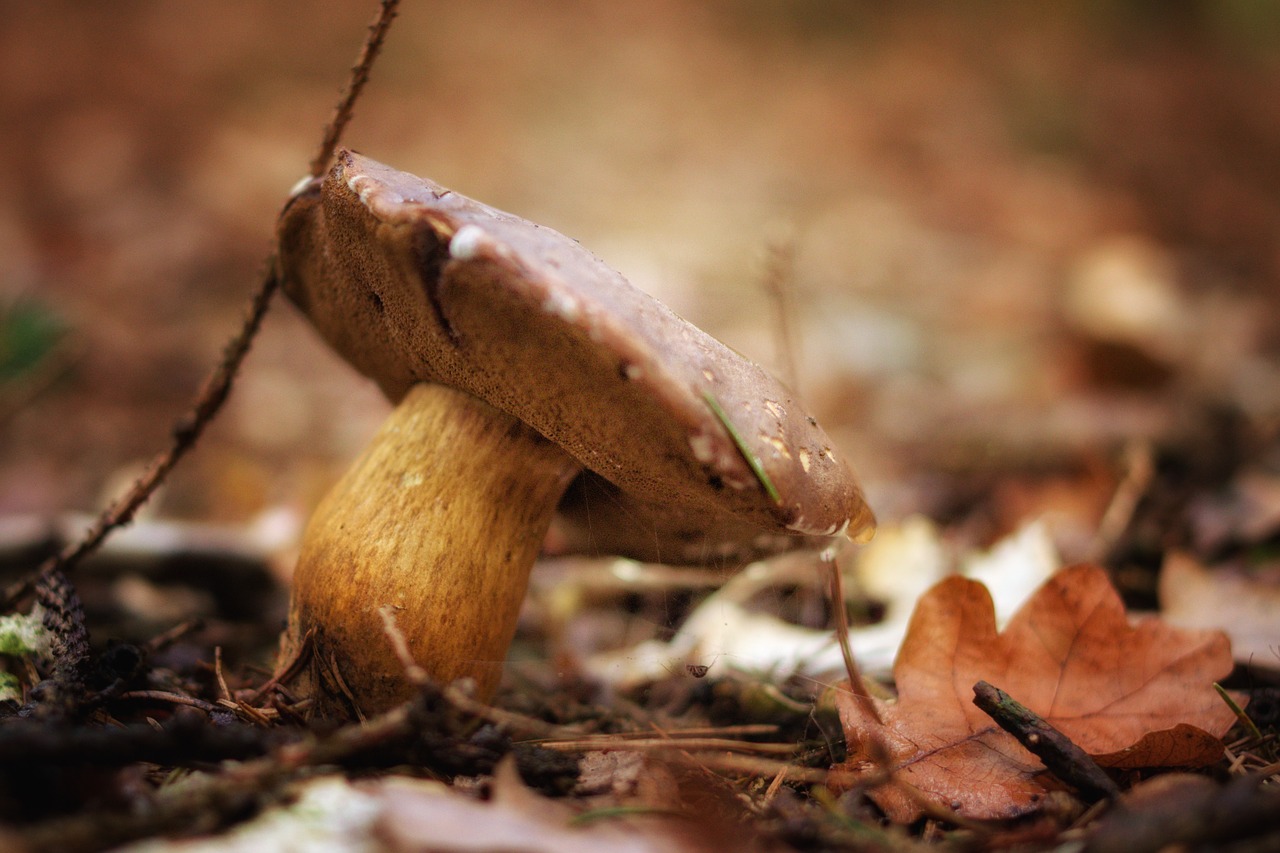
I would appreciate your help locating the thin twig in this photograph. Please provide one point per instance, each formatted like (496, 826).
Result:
(261, 716)
(1139, 470)
(302, 656)
(1062, 757)
(517, 725)
(217, 672)
(163, 640)
(662, 743)
(775, 786)
(414, 673)
(335, 675)
(856, 685)
(769, 767)
(355, 84)
(171, 698)
(779, 276)
(744, 730)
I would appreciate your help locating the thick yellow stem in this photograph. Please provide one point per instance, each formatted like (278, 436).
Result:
(442, 517)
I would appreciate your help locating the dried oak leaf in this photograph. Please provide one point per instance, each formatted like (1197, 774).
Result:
(1129, 695)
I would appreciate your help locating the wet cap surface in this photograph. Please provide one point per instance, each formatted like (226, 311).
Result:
(411, 282)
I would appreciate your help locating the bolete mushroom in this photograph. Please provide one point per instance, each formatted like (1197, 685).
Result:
(517, 360)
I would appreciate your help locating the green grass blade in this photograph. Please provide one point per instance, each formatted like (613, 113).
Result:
(753, 461)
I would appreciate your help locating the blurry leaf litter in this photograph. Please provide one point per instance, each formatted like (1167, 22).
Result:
(402, 814)
(1244, 604)
(1138, 695)
(893, 570)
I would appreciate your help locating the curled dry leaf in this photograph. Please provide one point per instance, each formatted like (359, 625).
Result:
(1138, 695)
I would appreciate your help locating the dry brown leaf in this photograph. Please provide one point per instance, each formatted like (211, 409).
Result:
(1181, 746)
(1130, 695)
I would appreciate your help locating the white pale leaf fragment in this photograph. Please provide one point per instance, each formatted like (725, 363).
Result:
(900, 564)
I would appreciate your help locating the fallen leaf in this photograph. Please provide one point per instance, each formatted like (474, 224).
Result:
(1141, 692)
(1181, 746)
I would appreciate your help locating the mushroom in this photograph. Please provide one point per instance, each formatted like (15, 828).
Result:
(517, 360)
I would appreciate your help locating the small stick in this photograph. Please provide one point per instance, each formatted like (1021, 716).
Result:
(217, 672)
(779, 275)
(856, 685)
(1139, 470)
(171, 698)
(302, 656)
(517, 725)
(774, 786)
(355, 84)
(744, 730)
(1061, 757)
(663, 743)
(761, 767)
(164, 640)
(332, 670)
(260, 717)
(416, 675)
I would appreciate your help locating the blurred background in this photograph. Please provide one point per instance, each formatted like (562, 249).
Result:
(1013, 241)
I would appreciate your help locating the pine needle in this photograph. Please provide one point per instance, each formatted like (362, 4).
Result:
(753, 461)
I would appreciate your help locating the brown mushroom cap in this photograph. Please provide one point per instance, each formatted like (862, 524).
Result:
(411, 282)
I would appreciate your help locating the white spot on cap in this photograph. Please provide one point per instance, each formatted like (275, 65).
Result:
(364, 186)
(465, 245)
(801, 525)
(804, 460)
(560, 305)
(778, 445)
(703, 447)
(774, 408)
(633, 372)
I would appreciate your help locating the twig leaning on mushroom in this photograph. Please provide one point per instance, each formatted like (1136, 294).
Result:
(519, 361)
